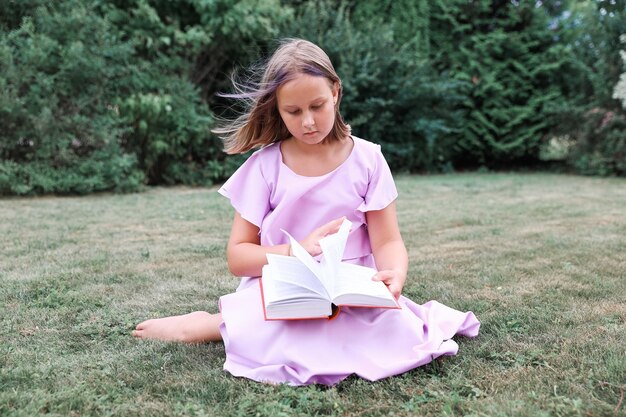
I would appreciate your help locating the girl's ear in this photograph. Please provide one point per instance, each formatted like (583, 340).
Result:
(335, 92)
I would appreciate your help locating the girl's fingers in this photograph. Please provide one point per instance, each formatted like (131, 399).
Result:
(311, 242)
(331, 227)
(389, 279)
(382, 276)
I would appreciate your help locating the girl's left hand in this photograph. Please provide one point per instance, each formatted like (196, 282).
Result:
(393, 279)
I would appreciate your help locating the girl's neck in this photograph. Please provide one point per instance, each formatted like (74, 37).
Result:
(328, 145)
(315, 160)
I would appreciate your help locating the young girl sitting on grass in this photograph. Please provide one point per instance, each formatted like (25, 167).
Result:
(309, 174)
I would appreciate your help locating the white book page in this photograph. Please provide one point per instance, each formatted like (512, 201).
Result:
(332, 249)
(283, 292)
(291, 270)
(305, 257)
(357, 279)
(286, 300)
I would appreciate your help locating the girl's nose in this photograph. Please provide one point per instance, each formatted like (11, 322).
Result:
(307, 120)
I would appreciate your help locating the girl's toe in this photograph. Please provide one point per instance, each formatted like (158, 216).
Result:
(142, 325)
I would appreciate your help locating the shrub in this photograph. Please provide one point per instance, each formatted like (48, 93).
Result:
(601, 146)
(84, 84)
(95, 173)
(58, 81)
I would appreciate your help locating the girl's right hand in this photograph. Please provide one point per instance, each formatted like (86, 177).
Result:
(312, 242)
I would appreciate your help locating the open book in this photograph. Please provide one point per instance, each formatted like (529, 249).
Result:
(299, 287)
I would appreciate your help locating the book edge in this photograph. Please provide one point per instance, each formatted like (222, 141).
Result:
(266, 318)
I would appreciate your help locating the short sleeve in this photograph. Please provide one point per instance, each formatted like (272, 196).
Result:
(381, 189)
(248, 190)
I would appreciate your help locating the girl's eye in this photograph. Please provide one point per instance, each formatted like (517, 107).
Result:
(294, 112)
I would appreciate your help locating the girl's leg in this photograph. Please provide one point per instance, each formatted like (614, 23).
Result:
(196, 327)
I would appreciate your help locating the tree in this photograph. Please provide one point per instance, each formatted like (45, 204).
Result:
(509, 63)
(596, 122)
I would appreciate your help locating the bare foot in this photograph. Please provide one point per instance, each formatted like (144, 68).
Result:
(196, 327)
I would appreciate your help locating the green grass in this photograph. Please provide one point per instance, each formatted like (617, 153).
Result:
(540, 259)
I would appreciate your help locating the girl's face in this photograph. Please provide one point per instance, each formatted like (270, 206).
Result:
(307, 106)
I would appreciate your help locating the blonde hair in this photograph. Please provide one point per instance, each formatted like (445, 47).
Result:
(261, 124)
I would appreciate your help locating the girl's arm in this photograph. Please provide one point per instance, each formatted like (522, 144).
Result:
(388, 248)
(246, 256)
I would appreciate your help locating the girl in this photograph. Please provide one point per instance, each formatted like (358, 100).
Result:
(309, 175)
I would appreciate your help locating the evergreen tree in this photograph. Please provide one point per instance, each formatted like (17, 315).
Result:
(507, 58)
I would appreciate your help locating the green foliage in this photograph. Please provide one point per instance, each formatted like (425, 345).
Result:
(180, 50)
(409, 20)
(601, 147)
(591, 115)
(593, 32)
(58, 82)
(109, 95)
(88, 84)
(169, 137)
(103, 169)
(198, 39)
(507, 59)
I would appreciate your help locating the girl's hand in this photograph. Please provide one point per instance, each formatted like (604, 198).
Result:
(393, 279)
(312, 242)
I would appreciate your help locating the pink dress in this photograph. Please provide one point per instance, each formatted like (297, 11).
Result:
(372, 343)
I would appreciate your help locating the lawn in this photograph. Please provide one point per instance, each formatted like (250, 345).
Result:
(539, 258)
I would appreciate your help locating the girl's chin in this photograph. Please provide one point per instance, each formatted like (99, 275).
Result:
(312, 139)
